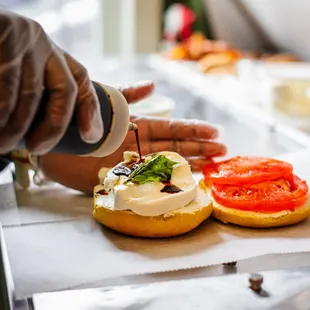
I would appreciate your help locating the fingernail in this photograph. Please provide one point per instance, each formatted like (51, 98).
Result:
(219, 151)
(123, 87)
(143, 83)
(41, 149)
(95, 132)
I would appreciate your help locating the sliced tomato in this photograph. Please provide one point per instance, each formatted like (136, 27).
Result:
(246, 170)
(272, 196)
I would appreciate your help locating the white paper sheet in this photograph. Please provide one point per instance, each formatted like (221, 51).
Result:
(6, 175)
(49, 257)
(80, 253)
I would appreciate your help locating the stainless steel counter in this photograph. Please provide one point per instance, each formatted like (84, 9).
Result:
(217, 293)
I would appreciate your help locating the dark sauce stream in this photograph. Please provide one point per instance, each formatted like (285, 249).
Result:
(103, 192)
(138, 144)
(127, 169)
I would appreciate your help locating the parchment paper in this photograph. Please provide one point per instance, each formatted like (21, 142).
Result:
(80, 253)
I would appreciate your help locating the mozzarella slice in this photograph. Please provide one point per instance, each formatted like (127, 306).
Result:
(147, 199)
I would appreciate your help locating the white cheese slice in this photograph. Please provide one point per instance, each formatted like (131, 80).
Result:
(147, 199)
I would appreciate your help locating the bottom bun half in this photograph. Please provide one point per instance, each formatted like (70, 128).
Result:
(257, 219)
(171, 224)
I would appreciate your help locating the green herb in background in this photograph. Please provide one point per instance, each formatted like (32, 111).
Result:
(157, 169)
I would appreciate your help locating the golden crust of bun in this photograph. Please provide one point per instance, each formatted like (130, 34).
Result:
(171, 224)
(179, 52)
(226, 70)
(220, 59)
(281, 58)
(256, 219)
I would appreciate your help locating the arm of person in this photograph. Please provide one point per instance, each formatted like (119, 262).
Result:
(79, 173)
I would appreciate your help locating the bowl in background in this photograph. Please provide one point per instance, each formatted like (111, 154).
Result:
(154, 105)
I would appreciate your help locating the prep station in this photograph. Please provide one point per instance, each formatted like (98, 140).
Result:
(37, 251)
(53, 255)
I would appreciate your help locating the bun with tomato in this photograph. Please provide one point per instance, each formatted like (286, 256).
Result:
(157, 197)
(256, 192)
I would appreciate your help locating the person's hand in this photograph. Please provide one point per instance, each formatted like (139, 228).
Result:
(31, 63)
(195, 140)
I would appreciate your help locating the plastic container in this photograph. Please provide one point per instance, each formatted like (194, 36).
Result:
(155, 105)
(287, 89)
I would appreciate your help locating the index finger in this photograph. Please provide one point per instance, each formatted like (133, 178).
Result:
(177, 129)
(59, 110)
(88, 106)
(138, 91)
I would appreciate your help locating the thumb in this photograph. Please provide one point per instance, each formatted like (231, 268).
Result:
(136, 91)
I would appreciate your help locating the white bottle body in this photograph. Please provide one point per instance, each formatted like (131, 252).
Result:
(119, 123)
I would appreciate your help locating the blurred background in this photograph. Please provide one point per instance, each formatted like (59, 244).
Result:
(240, 63)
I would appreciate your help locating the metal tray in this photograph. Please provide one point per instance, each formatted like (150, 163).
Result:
(6, 279)
(280, 290)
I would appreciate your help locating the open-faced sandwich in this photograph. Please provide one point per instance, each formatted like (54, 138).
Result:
(220, 62)
(256, 192)
(156, 197)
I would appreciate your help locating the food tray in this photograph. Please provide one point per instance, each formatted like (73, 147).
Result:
(6, 279)
(225, 93)
(280, 290)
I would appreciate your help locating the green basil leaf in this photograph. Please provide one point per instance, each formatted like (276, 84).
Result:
(157, 169)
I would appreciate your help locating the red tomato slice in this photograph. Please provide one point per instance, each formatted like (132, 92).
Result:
(246, 170)
(268, 197)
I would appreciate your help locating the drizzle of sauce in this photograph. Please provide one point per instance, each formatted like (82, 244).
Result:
(125, 169)
(138, 145)
(170, 188)
(122, 170)
(103, 192)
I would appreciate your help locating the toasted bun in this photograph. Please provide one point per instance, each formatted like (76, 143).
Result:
(257, 219)
(170, 224)
(220, 59)
(226, 69)
(282, 58)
